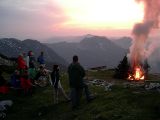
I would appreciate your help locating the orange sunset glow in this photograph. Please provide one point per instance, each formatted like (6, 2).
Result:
(68, 17)
(92, 14)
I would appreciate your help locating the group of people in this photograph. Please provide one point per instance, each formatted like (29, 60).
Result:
(27, 75)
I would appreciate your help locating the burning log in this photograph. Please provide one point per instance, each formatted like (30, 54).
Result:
(137, 74)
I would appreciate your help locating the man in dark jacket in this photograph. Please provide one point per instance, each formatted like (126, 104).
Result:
(76, 74)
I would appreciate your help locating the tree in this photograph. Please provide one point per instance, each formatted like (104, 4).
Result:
(146, 68)
(121, 72)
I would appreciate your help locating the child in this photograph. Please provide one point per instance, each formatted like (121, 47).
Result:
(15, 79)
(57, 84)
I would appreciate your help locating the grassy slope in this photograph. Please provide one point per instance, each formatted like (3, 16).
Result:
(119, 104)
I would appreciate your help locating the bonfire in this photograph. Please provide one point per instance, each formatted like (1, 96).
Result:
(137, 74)
(138, 52)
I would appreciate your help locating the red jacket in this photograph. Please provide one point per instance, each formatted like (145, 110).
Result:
(21, 63)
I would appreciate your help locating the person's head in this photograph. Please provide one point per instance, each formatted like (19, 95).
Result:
(75, 58)
(24, 54)
(30, 53)
(20, 54)
(55, 68)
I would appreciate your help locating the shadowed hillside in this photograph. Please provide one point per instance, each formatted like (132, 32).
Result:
(12, 47)
(92, 51)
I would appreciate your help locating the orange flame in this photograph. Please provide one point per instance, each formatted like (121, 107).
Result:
(137, 75)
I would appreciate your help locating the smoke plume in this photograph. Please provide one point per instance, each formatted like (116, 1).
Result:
(138, 52)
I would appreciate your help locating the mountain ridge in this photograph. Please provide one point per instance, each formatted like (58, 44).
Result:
(92, 51)
(12, 47)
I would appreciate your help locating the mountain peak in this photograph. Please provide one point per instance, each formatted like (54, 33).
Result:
(95, 39)
(89, 36)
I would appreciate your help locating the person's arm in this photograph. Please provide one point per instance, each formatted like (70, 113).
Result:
(82, 71)
(68, 69)
(51, 78)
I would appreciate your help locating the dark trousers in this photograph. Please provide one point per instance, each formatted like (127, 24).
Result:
(76, 94)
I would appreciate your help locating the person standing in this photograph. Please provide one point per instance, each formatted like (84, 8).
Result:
(76, 74)
(32, 66)
(41, 59)
(21, 62)
(25, 57)
(31, 59)
(25, 83)
(55, 81)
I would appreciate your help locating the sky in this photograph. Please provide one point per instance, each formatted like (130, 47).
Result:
(41, 19)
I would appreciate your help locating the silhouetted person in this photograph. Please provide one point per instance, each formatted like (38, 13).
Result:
(41, 59)
(55, 79)
(21, 63)
(76, 74)
(32, 66)
(31, 59)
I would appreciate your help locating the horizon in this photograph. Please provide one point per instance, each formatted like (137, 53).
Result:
(52, 39)
(45, 19)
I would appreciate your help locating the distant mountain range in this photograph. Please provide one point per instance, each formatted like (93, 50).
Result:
(124, 42)
(92, 51)
(58, 39)
(12, 47)
(4, 60)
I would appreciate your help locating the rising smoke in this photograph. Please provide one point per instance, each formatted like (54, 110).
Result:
(138, 51)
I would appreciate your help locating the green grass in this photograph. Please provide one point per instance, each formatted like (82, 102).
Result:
(118, 104)
(106, 74)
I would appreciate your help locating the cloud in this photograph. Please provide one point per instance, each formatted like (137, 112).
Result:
(29, 18)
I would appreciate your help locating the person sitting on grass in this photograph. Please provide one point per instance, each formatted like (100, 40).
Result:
(42, 76)
(15, 79)
(55, 79)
